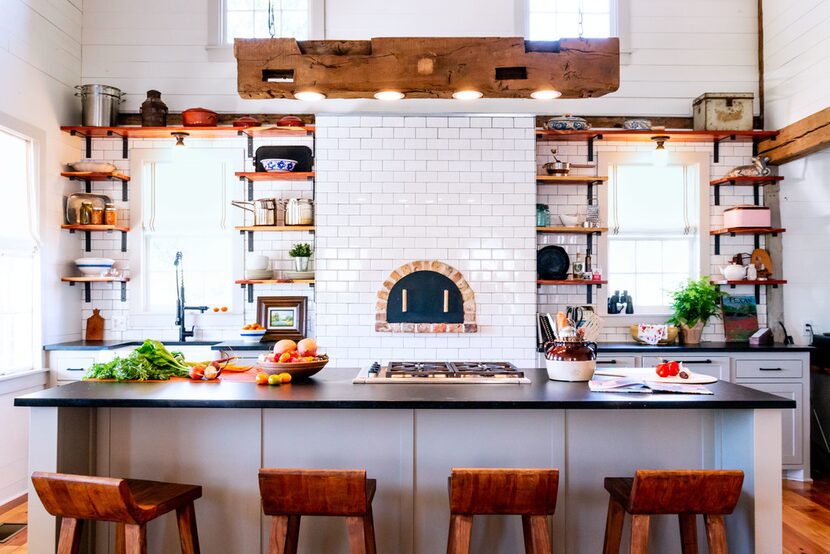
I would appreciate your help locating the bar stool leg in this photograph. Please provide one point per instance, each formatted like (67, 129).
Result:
(639, 533)
(135, 539)
(69, 541)
(120, 541)
(688, 533)
(361, 534)
(285, 532)
(461, 530)
(715, 534)
(613, 527)
(536, 534)
(188, 535)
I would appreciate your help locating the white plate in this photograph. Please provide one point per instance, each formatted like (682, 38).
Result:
(650, 374)
(298, 274)
(259, 274)
(92, 166)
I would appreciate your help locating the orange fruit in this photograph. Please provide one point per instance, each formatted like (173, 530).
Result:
(285, 377)
(215, 309)
(261, 378)
(224, 308)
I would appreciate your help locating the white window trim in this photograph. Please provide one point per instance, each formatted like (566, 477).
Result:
(139, 318)
(620, 24)
(219, 50)
(605, 165)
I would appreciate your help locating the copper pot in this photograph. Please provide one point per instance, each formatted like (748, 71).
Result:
(246, 121)
(290, 121)
(199, 117)
(571, 360)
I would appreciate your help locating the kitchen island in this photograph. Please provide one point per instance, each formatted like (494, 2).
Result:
(407, 437)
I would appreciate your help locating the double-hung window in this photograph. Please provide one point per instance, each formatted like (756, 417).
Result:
(230, 19)
(555, 19)
(658, 231)
(19, 257)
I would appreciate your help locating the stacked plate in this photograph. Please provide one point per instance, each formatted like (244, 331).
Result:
(298, 275)
(259, 274)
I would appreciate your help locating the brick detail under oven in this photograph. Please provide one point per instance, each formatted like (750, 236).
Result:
(469, 324)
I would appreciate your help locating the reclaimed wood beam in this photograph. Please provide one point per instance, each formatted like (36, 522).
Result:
(798, 139)
(508, 67)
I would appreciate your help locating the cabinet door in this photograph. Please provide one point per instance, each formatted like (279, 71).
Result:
(70, 366)
(716, 366)
(792, 423)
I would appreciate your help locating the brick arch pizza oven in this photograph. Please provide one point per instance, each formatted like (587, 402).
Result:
(426, 296)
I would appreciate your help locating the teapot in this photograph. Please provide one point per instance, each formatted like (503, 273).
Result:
(733, 272)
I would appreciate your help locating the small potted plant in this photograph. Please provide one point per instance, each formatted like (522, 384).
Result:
(693, 304)
(301, 254)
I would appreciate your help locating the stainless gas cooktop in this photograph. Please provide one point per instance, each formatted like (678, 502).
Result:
(442, 373)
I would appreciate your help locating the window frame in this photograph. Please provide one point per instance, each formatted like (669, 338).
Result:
(606, 163)
(216, 25)
(139, 316)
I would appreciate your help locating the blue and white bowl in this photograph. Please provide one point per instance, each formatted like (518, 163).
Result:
(278, 165)
(94, 266)
(567, 122)
(251, 335)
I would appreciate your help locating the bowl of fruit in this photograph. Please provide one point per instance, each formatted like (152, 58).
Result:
(300, 360)
(253, 332)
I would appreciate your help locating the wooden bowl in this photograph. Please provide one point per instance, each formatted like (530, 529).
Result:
(672, 335)
(297, 370)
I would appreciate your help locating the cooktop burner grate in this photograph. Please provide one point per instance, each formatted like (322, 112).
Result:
(451, 370)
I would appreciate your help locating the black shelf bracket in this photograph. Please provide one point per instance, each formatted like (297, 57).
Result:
(87, 186)
(590, 193)
(757, 242)
(590, 247)
(87, 292)
(717, 245)
(123, 241)
(123, 291)
(250, 145)
(756, 194)
(125, 147)
(591, 146)
(589, 294)
(125, 196)
(250, 189)
(717, 195)
(87, 241)
(250, 291)
(716, 145)
(88, 141)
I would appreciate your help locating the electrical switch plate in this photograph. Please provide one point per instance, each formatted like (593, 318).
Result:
(119, 323)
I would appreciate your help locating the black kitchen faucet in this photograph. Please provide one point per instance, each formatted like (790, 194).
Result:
(181, 307)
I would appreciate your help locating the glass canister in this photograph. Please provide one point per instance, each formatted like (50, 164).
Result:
(97, 215)
(85, 213)
(110, 214)
(542, 215)
(299, 211)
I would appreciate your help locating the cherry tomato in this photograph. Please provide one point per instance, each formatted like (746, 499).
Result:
(674, 368)
(660, 367)
(285, 377)
(662, 371)
(284, 357)
(261, 378)
(274, 379)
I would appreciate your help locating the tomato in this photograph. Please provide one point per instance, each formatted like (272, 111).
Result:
(674, 368)
(309, 359)
(274, 379)
(285, 377)
(285, 357)
(662, 371)
(660, 367)
(261, 378)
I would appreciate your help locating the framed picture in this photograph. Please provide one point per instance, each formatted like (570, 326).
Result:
(283, 317)
(740, 318)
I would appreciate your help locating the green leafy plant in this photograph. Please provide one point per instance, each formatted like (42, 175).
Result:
(151, 360)
(696, 301)
(302, 250)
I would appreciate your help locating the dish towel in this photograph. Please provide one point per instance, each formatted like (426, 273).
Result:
(652, 334)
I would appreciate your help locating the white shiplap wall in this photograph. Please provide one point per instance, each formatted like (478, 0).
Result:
(796, 80)
(40, 61)
(678, 50)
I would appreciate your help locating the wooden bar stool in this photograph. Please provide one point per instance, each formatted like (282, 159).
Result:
(530, 493)
(130, 503)
(685, 493)
(288, 494)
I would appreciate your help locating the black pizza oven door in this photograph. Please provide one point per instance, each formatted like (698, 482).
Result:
(425, 297)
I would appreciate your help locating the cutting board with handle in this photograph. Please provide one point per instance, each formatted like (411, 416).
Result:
(95, 326)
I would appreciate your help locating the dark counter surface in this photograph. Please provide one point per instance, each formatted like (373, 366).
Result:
(333, 388)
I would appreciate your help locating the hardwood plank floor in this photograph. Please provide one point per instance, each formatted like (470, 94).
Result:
(806, 519)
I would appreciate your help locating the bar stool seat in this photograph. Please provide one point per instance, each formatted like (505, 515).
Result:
(530, 493)
(686, 493)
(130, 503)
(289, 494)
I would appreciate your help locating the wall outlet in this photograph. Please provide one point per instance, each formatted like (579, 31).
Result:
(807, 328)
(119, 323)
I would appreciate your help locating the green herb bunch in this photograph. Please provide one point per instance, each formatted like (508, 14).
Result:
(302, 250)
(150, 361)
(697, 301)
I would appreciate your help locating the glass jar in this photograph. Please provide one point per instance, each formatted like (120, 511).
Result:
(97, 215)
(542, 215)
(85, 213)
(110, 215)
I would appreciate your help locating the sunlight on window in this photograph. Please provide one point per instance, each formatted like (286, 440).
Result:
(256, 19)
(555, 19)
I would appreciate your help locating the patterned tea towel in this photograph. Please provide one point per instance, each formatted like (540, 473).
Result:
(652, 334)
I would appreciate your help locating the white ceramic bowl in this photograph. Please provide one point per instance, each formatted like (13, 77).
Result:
(251, 335)
(569, 220)
(257, 262)
(94, 266)
(93, 166)
(278, 165)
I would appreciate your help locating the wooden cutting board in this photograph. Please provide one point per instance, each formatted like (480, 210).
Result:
(95, 326)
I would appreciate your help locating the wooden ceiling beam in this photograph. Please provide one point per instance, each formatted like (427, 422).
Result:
(798, 139)
(498, 67)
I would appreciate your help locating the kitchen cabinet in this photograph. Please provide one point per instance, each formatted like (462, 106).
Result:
(792, 421)
(68, 366)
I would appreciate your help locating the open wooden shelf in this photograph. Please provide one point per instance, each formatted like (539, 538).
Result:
(93, 279)
(95, 176)
(573, 230)
(676, 135)
(773, 282)
(747, 231)
(275, 176)
(222, 131)
(747, 181)
(570, 282)
(570, 179)
(276, 228)
(77, 227)
(274, 281)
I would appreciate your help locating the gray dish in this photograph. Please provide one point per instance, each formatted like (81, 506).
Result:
(72, 204)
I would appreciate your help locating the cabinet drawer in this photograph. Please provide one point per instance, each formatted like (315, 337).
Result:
(607, 361)
(768, 369)
(71, 368)
(716, 366)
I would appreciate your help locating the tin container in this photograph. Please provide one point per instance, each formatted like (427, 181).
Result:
(747, 216)
(723, 111)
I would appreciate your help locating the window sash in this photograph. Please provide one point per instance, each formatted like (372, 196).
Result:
(613, 14)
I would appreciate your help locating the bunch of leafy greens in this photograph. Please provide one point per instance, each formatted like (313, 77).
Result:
(150, 361)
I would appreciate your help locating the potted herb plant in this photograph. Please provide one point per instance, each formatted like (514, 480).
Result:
(301, 254)
(693, 304)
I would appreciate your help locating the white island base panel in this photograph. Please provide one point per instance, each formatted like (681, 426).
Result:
(410, 453)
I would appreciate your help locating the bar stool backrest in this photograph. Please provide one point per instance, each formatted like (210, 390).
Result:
(713, 492)
(86, 497)
(313, 492)
(503, 491)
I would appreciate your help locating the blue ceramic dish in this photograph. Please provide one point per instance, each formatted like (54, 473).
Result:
(278, 165)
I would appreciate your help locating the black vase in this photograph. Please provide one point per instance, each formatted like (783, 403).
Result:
(153, 110)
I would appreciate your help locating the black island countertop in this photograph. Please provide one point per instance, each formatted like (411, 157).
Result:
(333, 389)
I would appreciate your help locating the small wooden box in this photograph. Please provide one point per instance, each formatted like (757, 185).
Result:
(723, 111)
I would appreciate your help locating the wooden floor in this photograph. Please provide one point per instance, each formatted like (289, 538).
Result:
(806, 519)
